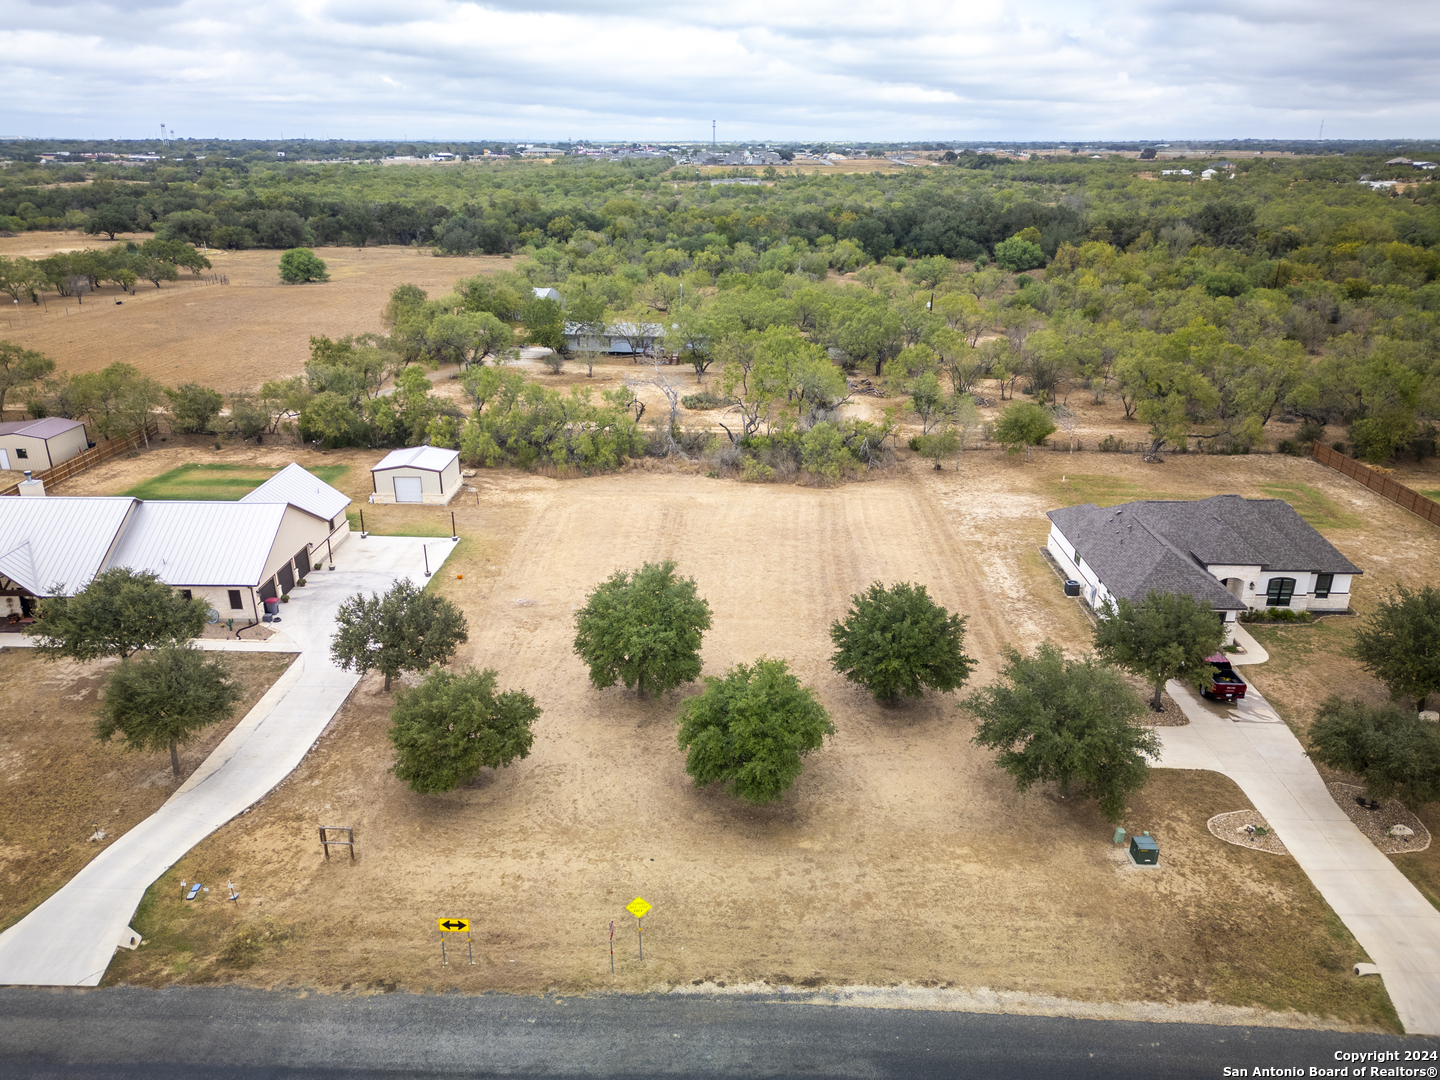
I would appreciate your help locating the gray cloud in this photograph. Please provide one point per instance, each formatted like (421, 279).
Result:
(794, 69)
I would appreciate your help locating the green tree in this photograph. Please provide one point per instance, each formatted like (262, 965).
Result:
(451, 726)
(1024, 425)
(405, 629)
(643, 628)
(165, 697)
(1399, 643)
(20, 369)
(119, 612)
(1068, 722)
(1395, 752)
(1018, 253)
(249, 418)
(1165, 636)
(192, 407)
(544, 324)
(749, 730)
(938, 445)
(898, 641)
(299, 265)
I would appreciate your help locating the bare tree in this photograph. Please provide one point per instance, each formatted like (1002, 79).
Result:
(1067, 421)
(672, 395)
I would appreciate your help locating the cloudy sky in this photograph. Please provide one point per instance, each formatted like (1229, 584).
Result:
(764, 69)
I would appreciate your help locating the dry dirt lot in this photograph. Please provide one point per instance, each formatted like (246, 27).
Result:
(230, 337)
(901, 855)
(59, 785)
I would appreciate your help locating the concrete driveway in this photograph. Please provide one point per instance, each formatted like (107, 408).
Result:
(69, 939)
(1397, 926)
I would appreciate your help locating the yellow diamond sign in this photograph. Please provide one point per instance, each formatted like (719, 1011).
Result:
(638, 907)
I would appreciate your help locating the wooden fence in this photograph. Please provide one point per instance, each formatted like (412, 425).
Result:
(1378, 482)
(88, 459)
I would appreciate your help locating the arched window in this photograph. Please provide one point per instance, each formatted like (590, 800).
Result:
(1279, 591)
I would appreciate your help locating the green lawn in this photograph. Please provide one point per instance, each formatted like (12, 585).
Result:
(1318, 509)
(1101, 490)
(217, 482)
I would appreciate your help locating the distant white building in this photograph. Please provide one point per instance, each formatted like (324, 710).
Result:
(417, 474)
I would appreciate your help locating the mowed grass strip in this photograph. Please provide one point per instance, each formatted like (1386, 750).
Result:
(1321, 511)
(217, 482)
(1100, 490)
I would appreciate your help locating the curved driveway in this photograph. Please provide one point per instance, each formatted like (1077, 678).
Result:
(1397, 926)
(69, 939)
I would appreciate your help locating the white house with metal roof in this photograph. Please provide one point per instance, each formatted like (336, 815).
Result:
(1228, 552)
(417, 474)
(234, 555)
(294, 485)
(41, 444)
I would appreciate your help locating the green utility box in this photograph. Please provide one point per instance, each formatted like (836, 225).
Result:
(1144, 850)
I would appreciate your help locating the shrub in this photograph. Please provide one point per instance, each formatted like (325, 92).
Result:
(898, 641)
(299, 265)
(1111, 445)
(749, 730)
(643, 629)
(451, 726)
(704, 400)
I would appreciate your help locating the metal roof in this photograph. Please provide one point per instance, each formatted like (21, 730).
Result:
(294, 485)
(200, 543)
(46, 428)
(58, 540)
(429, 458)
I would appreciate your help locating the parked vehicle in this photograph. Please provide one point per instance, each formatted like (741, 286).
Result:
(1225, 684)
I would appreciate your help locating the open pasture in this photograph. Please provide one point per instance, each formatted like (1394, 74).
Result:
(230, 337)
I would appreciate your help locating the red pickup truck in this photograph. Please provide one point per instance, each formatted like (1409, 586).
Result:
(1225, 684)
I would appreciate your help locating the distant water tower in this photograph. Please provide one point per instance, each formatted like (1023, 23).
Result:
(712, 134)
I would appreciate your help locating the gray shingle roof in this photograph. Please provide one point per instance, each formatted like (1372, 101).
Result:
(1165, 546)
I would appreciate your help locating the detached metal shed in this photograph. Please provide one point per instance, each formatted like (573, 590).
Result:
(40, 444)
(418, 474)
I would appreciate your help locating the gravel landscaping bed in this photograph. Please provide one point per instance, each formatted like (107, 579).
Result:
(1231, 828)
(1169, 714)
(1376, 823)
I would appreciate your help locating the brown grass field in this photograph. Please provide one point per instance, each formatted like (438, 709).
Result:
(231, 337)
(901, 855)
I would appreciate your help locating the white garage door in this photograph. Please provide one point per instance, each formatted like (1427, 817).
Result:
(409, 489)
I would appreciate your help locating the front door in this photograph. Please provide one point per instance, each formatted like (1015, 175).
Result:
(4, 458)
(409, 489)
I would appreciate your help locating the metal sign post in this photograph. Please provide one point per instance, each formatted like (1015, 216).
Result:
(454, 926)
(638, 907)
(612, 946)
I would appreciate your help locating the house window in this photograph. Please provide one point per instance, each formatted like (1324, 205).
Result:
(235, 602)
(185, 594)
(1322, 585)
(1279, 591)
(21, 452)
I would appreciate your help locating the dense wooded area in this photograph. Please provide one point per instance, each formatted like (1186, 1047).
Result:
(1207, 308)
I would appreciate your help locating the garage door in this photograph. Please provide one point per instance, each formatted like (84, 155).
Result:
(409, 489)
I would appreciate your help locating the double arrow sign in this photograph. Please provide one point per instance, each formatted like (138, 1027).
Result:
(454, 925)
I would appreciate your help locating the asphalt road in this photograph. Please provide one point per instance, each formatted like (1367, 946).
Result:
(226, 1033)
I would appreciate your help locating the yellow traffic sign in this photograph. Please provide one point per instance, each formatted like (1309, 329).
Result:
(638, 907)
(454, 926)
